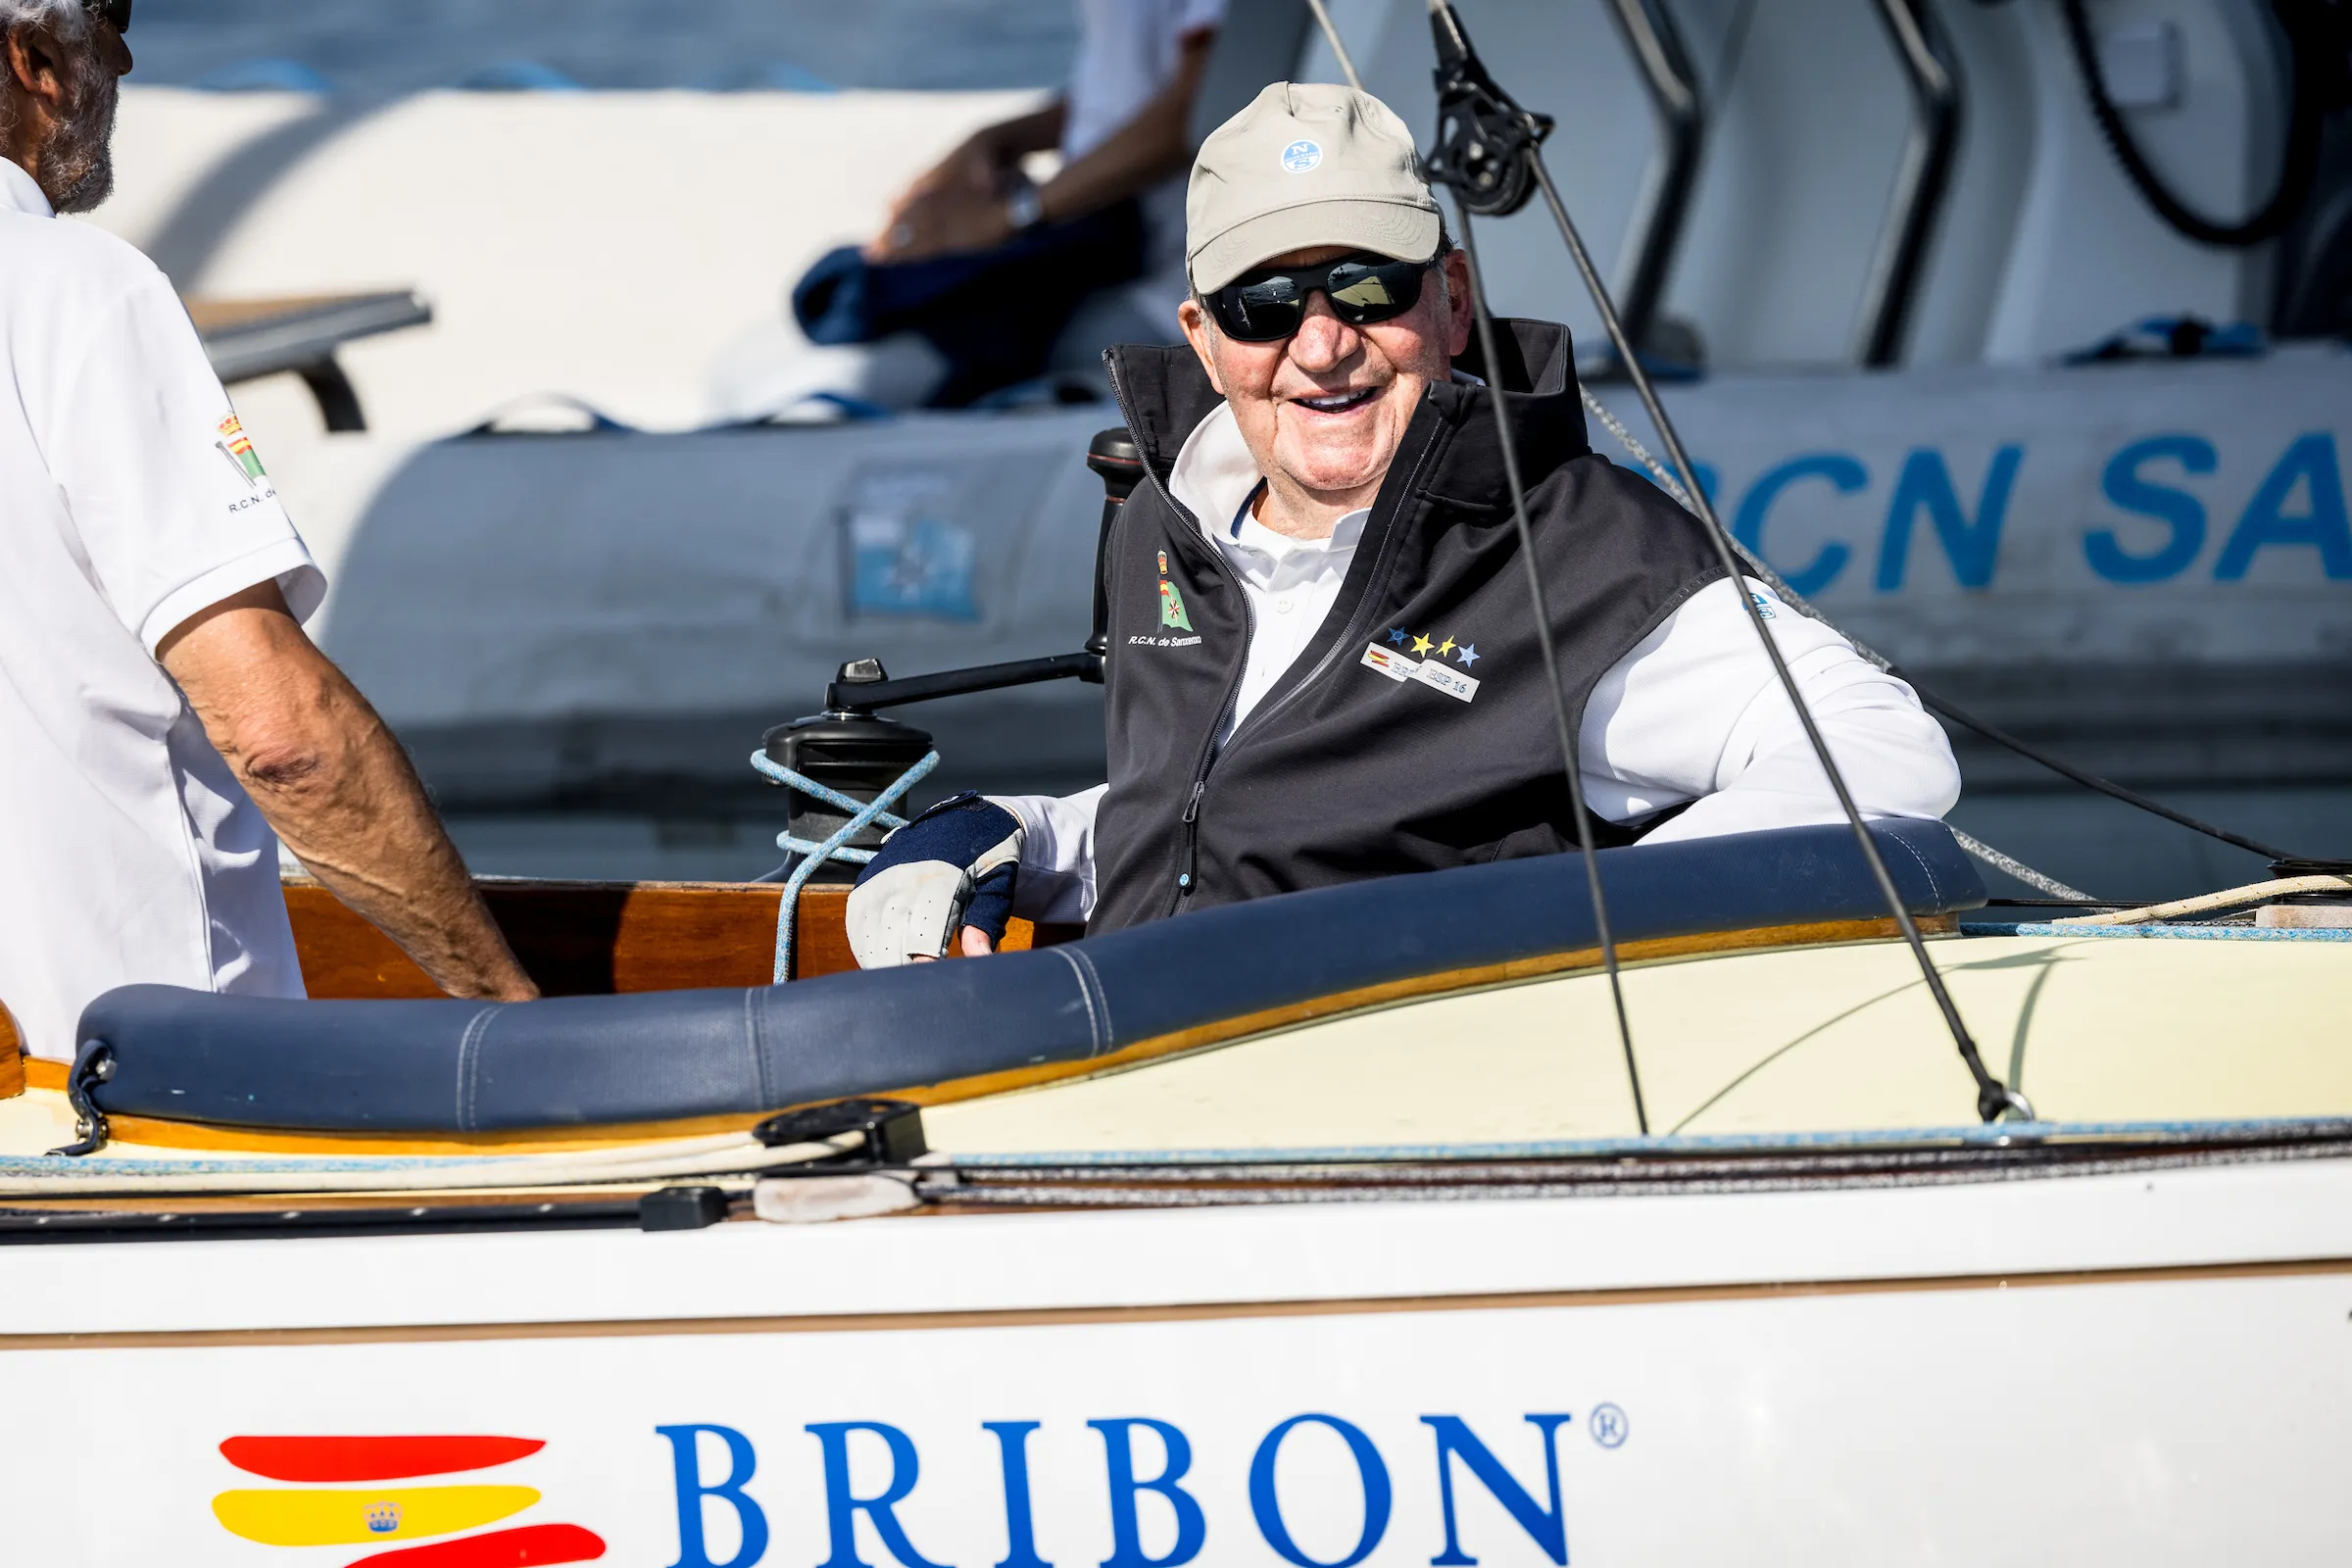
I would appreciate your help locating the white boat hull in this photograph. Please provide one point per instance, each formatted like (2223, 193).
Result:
(2143, 1366)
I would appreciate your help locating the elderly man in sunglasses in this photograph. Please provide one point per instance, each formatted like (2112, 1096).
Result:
(1323, 660)
(163, 719)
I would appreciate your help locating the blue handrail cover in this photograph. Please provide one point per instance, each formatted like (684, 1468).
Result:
(449, 1066)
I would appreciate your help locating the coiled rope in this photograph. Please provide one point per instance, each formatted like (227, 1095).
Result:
(2214, 902)
(862, 816)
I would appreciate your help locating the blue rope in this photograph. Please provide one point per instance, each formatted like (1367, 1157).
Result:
(862, 816)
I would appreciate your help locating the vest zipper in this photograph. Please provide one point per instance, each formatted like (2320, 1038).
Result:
(1188, 881)
(1357, 623)
(1189, 877)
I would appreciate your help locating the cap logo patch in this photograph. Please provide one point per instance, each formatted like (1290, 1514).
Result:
(1300, 156)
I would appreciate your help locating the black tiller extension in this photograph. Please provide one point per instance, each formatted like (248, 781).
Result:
(1490, 153)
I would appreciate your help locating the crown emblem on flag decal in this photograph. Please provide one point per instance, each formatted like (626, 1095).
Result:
(338, 1497)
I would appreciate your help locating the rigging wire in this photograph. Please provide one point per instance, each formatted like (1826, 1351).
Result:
(1673, 486)
(1488, 151)
(1734, 49)
(1993, 1097)
(1535, 589)
(2039, 881)
(1735, 46)
(1338, 50)
(1551, 663)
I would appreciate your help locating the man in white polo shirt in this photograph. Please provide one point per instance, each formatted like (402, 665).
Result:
(155, 681)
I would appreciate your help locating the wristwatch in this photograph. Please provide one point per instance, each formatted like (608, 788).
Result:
(1025, 206)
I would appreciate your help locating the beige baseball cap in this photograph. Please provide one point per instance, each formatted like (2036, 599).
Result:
(1307, 164)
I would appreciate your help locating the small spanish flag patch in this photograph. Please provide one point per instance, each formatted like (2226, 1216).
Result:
(240, 451)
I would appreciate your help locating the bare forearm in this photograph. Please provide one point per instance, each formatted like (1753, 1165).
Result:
(1150, 148)
(363, 827)
(1037, 131)
(329, 777)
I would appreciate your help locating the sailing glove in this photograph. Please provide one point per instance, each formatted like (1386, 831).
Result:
(954, 865)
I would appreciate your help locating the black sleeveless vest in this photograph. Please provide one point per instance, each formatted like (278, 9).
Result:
(1416, 732)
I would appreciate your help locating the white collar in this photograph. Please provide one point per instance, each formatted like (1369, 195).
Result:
(1216, 478)
(1245, 533)
(19, 194)
(1214, 475)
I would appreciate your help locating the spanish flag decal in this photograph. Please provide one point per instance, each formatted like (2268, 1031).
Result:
(355, 1509)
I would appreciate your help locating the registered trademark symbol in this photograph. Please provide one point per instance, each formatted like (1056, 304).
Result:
(1608, 1425)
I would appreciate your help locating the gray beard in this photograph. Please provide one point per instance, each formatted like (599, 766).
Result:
(77, 163)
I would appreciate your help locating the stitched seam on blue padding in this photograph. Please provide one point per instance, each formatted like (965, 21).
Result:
(1934, 888)
(750, 1034)
(1089, 986)
(470, 1063)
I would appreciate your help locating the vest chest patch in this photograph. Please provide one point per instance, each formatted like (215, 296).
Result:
(1404, 656)
(1171, 599)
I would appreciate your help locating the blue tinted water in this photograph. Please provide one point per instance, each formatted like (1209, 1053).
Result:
(375, 49)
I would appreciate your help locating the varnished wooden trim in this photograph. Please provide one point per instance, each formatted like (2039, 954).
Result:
(163, 1134)
(156, 1133)
(12, 1068)
(1186, 1312)
(11, 1056)
(42, 1073)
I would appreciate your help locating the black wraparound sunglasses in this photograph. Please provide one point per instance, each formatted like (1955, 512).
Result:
(1268, 304)
(116, 11)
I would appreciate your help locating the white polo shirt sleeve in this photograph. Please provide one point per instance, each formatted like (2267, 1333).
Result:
(171, 503)
(1694, 712)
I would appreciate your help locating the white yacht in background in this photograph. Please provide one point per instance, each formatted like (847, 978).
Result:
(596, 536)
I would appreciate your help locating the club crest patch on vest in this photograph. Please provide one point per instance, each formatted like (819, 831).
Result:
(1171, 601)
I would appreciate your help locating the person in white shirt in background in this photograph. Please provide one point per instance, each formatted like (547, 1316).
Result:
(163, 719)
(1122, 128)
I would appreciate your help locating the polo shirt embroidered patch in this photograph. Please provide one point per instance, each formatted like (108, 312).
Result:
(237, 447)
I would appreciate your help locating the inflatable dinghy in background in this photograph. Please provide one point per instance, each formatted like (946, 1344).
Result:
(2145, 563)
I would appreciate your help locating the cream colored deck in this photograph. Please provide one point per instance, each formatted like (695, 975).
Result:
(1813, 1039)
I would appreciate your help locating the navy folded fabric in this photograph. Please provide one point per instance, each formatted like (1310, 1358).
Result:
(994, 315)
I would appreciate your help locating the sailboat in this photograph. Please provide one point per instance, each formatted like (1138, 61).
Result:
(1434, 1217)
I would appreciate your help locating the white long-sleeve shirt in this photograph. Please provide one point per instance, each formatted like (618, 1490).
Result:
(1692, 713)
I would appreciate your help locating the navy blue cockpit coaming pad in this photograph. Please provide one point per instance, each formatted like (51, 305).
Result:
(466, 1066)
